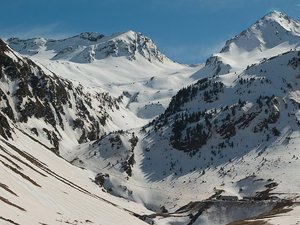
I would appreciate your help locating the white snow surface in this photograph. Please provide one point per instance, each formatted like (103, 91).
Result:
(257, 62)
(133, 66)
(273, 34)
(47, 189)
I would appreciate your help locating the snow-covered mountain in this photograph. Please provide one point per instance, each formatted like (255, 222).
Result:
(37, 187)
(230, 131)
(88, 47)
(272, 30)
(125, 64)
(234, 131)
(52, 109)
(273, 34)
(41, 112)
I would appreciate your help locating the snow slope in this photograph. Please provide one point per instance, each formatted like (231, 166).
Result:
(55, 110)
(88, 47)
(248, 147)
(232, 131)
(235, 131)
(273, 34)
(41, 116)
(37, 187)
(125, 64)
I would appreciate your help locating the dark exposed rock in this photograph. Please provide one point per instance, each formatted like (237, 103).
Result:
(49, 98)
(53, 139)
(5, 129)
(34, 131)
(7, 110)
(295, 62)
(133, 140)
(128, 164)
(100, 179)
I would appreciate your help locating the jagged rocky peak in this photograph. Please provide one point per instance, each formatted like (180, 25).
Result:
(28, 47)
(91, 36)
(91, 46)
(143, 45)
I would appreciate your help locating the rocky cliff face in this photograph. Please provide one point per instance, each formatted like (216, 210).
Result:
(47, 105)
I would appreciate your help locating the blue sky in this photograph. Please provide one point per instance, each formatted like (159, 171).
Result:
(187, 31)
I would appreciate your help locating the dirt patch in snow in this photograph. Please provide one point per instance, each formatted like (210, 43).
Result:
(5, 187)
(11, 204)
(9, 221)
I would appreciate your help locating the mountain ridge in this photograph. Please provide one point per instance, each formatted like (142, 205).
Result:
(87, 47)
(271, 35)
(274, 20)
(225, 138)
(140, 71)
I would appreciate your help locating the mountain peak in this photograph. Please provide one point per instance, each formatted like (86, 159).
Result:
(128, 32)
(271, 35)
(275, 14)
(127, 36)
(87, 47)
(277, 17)
(272, 30)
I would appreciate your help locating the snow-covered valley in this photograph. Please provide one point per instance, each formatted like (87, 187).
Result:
(107, 130)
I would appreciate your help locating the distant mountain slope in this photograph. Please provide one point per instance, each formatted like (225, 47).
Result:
(242, 122)
(88, 47)
(270, 31)
(219, 107)
(125, 64)
(273, 34)
(95, 59)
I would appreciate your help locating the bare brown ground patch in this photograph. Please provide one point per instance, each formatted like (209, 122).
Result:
(9, 220)
(5, 187)
(280, 208)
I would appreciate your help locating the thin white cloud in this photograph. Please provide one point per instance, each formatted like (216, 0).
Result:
(49, 31)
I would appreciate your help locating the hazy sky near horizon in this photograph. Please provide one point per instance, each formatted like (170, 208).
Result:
(187, 31)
